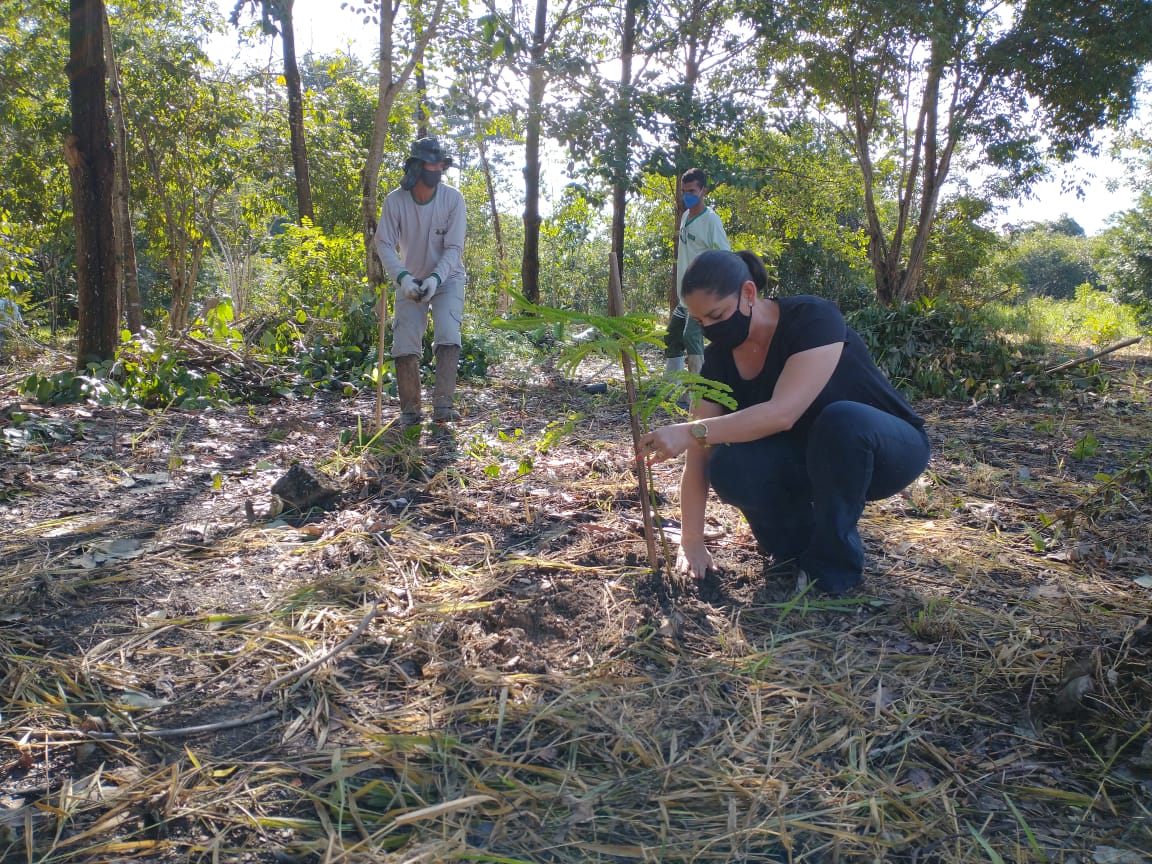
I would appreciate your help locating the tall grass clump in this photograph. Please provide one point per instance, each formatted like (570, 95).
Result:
(1091, 318)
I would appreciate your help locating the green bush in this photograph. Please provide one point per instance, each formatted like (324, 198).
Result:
(322, 278)
(147, 373)
(934, 349)
(1090, 318)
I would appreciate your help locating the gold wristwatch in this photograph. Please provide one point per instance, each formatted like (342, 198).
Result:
(699, 431)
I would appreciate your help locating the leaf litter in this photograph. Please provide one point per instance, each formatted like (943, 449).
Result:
(450, 662)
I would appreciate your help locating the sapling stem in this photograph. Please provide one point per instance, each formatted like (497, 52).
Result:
(383, 319)
(616, 308)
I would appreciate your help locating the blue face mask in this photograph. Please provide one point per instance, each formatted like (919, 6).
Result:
(429, 177)
(690, 200)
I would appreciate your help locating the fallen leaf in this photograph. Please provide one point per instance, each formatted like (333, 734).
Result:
(903, 548)
(136, 699)
(159, 477)
(121, 547)
(920, 779)
(1112, 855)
(1071, 695)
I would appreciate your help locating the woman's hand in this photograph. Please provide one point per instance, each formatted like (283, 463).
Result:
(693, 559)
(667, 442)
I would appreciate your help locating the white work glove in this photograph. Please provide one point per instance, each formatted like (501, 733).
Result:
(409, 287)
(429, 286)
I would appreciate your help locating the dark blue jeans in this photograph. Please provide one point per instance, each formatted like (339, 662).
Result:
(803, 495)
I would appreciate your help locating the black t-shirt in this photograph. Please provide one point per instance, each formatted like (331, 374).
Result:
(811, 322)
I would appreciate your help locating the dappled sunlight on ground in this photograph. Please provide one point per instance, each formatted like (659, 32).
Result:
(468, 657)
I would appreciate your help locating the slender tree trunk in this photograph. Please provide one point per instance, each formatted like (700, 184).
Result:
(623, 134)
(230, 265)
(530, 263)
(503, 300)
(295, 111)
(937, 164)
(88, 154)
(684, 134)
(389, 83)
(385, 98)
(422, 113)
(184, 245)
(125, 245)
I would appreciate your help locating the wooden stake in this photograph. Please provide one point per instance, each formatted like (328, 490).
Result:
(616, 308)
(382, 317)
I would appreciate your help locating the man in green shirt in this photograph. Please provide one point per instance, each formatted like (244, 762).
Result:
(700, 230)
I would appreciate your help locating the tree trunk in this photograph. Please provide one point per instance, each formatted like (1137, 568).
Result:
(530, 263)
(684, 136)
(295, 112)
(623, 134)
(503, 300)
(422, 112)
(88, 154)
(125, 244)
(389, 85)
(937, 163)
(385, 98)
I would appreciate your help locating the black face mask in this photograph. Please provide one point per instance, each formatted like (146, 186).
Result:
(732, 331)
(430, 178)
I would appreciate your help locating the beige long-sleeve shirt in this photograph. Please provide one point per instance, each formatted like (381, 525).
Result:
(422, 238)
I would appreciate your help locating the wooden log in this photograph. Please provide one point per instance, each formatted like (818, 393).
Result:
(1093, 356)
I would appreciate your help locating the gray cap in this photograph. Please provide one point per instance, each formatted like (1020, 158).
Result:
(429, 150)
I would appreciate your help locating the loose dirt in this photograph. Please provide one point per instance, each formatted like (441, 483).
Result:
(522, 686)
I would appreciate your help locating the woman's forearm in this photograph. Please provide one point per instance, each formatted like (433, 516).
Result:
(693, 496)
(749, 424)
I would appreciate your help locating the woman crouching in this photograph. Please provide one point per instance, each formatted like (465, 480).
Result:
(817, 432)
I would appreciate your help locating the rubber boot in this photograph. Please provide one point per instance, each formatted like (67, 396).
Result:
(672, 365)
(444, 390)
(695, 363)
(408, 389)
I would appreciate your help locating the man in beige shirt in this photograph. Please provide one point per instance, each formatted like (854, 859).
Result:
(420, 241)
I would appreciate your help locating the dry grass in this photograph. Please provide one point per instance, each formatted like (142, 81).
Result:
(521, 689)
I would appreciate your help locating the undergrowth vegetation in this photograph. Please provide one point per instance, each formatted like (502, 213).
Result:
(929, 349)
(936, 349)
(1091, 318)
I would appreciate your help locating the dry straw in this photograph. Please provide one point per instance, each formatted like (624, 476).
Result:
(423, 677)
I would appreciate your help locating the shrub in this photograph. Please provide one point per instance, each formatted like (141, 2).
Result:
(323, 280)
(1092, 317)
(933, 349)
(147, 373)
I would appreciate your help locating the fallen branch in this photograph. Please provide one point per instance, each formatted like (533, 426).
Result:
(178, 733)
(308, 667)
(1096, 355)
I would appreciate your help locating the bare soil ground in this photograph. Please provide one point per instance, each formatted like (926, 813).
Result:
(467, 657)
